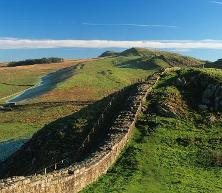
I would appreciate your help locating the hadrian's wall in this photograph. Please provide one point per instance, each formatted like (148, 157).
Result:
(76, 177)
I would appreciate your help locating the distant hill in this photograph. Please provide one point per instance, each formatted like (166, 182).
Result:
(36, 61)
(155, 57)
(216, 64)
(109, 53)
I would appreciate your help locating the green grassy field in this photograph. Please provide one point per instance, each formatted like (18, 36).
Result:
(12, 82)
(25, 120)
(96, 79)
(91, 81)
(171, 155)
(155, 163)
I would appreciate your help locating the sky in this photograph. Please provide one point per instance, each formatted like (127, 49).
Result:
(86, 28)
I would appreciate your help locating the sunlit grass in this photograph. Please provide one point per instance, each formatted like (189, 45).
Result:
(92, 80)
(168, 155)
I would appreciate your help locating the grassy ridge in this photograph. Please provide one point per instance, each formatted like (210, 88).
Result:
(172, 155)
(155, 163)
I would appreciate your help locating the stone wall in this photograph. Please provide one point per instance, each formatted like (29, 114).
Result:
(76, 177)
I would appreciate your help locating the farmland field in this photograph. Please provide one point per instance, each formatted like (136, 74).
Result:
(91, 81)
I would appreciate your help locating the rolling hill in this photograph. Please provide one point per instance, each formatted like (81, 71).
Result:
(216, 64)
(155, 57)
(60, 118)
(176, 146)
(92, 79)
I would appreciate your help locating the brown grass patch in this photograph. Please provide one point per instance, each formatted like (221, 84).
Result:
(74, 94)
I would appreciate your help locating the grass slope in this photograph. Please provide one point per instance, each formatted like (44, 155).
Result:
(170, 155)
(92, 80)
(168, 58)
(25, 120)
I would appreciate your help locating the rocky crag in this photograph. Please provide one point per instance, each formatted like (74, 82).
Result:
(193, 89)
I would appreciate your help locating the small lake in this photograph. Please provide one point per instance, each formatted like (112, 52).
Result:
(9, 147)
(47, 83)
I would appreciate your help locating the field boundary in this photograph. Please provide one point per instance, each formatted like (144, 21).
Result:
(74, 178)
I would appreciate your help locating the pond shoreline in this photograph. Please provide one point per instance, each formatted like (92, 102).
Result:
(46, 83)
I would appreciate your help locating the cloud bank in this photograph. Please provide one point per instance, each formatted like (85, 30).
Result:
(132, 25)
(13, 43)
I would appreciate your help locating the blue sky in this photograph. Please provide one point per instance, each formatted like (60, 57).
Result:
(37, 28)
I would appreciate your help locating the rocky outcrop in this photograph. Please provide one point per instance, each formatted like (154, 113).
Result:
(212, 97)
(167, 110)
(181, 82)
(204, 90)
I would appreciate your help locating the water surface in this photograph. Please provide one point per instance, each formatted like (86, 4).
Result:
(47, 83)
(9, 147)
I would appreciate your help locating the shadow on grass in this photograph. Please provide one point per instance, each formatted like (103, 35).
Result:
(55, 141)
(139, 63)
(9, 147)
(61, 139)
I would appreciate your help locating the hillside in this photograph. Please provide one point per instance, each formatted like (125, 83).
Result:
(16, 79)
(216, 64)
(176, 146)
(57, 121)
(109, 53)
(91, 80)
(158, 58)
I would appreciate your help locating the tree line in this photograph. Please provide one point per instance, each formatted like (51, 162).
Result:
(36, 61)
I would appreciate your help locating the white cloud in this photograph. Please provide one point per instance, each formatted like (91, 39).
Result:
(132, 25)
(217, 2)
(179, 50)
(13, 43)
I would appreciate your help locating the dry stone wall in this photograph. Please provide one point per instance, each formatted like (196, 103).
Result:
(76, 177)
